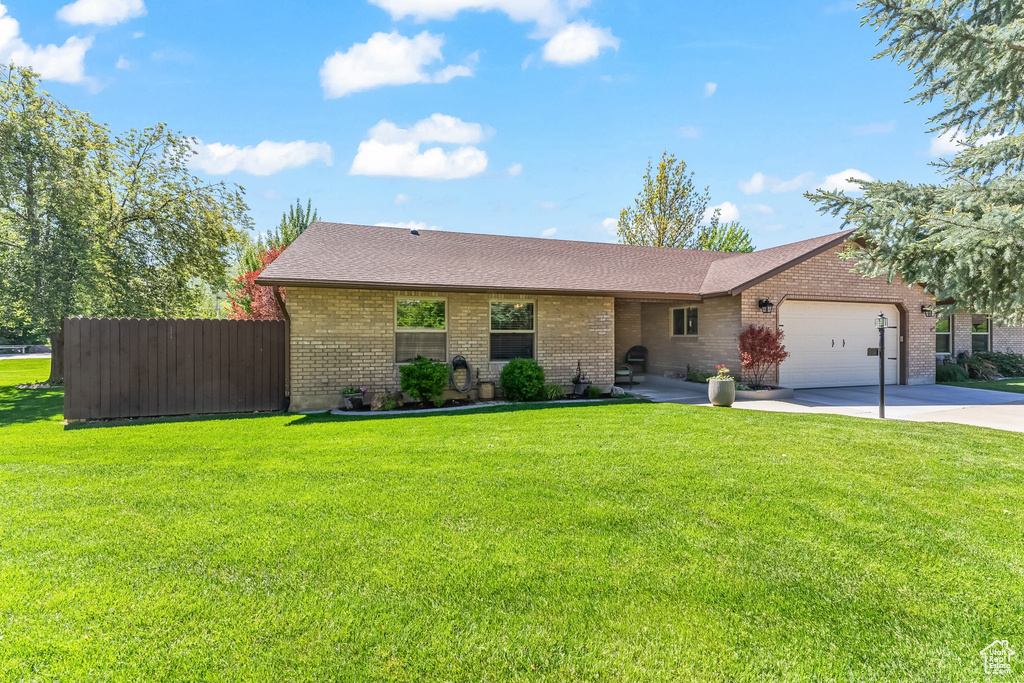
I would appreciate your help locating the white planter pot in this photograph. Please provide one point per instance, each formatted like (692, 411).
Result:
(722, 392)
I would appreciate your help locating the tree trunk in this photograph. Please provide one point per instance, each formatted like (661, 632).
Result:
(56, 358)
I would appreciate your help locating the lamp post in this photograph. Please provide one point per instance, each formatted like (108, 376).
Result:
(881, 323)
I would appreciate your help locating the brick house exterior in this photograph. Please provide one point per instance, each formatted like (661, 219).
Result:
(591, 302)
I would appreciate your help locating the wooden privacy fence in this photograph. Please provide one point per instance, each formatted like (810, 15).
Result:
(148, 368)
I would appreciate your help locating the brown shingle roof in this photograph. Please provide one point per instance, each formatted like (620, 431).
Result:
(343, 255)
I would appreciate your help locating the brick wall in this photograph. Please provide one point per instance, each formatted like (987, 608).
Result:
(826, 277)
(627, 327)
(715, 343)
(347, 336)
(1004, 337)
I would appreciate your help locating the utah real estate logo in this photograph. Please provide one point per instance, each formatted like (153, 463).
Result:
(997, 657)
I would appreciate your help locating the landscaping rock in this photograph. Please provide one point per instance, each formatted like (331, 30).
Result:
(377, 402)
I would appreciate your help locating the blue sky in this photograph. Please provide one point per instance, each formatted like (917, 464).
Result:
(524, 117)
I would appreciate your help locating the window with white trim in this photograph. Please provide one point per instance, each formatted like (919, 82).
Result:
(421, 329)
(513, 330)
(684, 322)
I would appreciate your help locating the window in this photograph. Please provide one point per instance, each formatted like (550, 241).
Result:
(943, 338)
(420, 330)
(684, 322)
(512, 330)
(981, 327)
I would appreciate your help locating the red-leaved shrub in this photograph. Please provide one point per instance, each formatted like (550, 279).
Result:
(761, 349)
(250, 301)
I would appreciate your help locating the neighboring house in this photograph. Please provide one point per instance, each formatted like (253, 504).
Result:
(362, 300)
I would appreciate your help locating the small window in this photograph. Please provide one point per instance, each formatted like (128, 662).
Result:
(981, 328)
(420, 330)
(943, 338)
(512, 330)
(684, 322)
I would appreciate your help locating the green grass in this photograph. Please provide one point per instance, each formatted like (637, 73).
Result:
(603, 543)
(1015, 385)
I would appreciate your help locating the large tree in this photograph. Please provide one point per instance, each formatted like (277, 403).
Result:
(92, 224)
(962, 237)
(670, 211)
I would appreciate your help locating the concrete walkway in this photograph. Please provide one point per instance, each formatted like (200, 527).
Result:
(928, 403)
(17, 356)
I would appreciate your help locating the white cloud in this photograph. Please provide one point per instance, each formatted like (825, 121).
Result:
(840, 181)
(549, 205)
(388, 59)
(543, 12)
(611, 226)
(577, 43)
(874, 128)
(515, 170)
(569, 42)
(64, 63)
(952, 142)
(729, 212)
(710, 89)
(550, 232)
(266, 158)
(759, 182)
(761, 208)
(394, 151)
(408, 225)
(688, 132)
(101, 12)
(402, 199)
(139, 34)
(123, 63)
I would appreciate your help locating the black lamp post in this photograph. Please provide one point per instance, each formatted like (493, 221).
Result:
(881, 323)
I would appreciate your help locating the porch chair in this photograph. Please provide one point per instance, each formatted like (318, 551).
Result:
(624, 370)
(637, 356)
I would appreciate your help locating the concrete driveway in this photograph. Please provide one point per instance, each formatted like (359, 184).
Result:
(928, 403)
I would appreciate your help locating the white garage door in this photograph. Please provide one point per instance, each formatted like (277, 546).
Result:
(828, 344)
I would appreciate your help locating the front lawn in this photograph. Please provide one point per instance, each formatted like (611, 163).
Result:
(1015, 385)
(604, 543)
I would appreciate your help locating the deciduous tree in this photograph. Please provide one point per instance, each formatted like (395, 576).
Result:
(761, 349)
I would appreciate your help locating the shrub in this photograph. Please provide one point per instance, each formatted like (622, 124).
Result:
(553, 392)
(522, 379)
(950, 372)
(592, 392)
(761, 350)
(698, 376)
(425, 380)
(1007, 364)
(979, 368)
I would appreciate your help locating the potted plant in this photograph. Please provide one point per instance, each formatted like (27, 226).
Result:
(579, 380)
(354, 395)
(722, 388)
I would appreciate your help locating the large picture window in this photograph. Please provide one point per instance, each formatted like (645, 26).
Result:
(684, 322)
(421, 329)
(512, 330)
(981, 333)
(943, 337)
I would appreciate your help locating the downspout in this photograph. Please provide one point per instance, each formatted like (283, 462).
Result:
(288, 342)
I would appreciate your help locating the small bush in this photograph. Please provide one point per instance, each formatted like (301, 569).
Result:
(950, 373)
(425, 380)
(592, 392)
(553, 392)
(698, 376)
(979, 368)
(1007, 364)
(522, 379)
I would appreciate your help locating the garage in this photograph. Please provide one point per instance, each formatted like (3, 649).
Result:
(828, 343)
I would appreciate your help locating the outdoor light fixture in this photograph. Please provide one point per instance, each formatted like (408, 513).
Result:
(928, 311)
(765, 305)
(881, 322)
